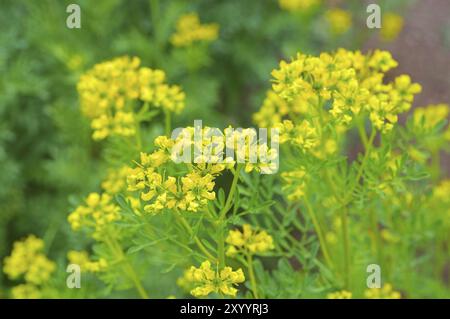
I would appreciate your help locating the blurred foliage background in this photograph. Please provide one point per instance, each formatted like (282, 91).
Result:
(47, 157)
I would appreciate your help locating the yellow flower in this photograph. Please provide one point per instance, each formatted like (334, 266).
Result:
(190, 192)
(298, 5)
(426, 118)
(248, 241)
(349, 101)
(331, 146)
(441, 192)
(115, 181)
(339, 20)
(267, 160)
(417, 155)
(111, 92)
(197, 191)
(28, 260)
(350, 82)
(190, 30)
(385, 292)
(206, 280)
(39, 270)
(98, 212)
(392, 26)
(272, 111)
(343, 294)
(382, 60)
(26, 291)
(295, 183)
(108, 85)
(303, 135)
(81, 258)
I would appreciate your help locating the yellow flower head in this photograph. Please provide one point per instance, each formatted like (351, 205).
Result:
(385, 292)
(339, 20)
(81, 258)
(272, 111)
(206, 280)
(197, 191)
(426, 118)
(190, 192)
(298, 5)
(26, 291)
(189, 30)
(441, 192)
(97, 213)
(28, 260)
(392, 26)
(249, 241)
(295, 183)
(112, 91)
(343, 294)
(303, 135)
(349, 82)
(115, 181)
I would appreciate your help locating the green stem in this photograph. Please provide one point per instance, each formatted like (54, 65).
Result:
(138, 136)
(376, 236)
(221, 245)
(168, 128)
(154, 8)
(221, 217)
(363, 135)
(346, 243)
(436, 165)
(251, 273)
(319, 232)
(344, 211)
(154, 14)
(348, 198)
(128, 268)
(197, 241)
(230, 197)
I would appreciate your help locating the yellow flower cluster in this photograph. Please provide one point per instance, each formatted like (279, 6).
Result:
(98, 212)
(303, 135)
(426, 118)
(338, 20)
(273, 110)
(392, 26)
(28, 260)
(248, 241)
(298, 5)
(343, 294)
(25, 291)
(295, 183)
(352, 83)
(441, 199)
(385, 292)
(188, 193)
(115, 181)
(81, 258)
(111, 92)
(192, 191)
(206, 280)
(190, 30)
(441, 192)
(248, 149)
